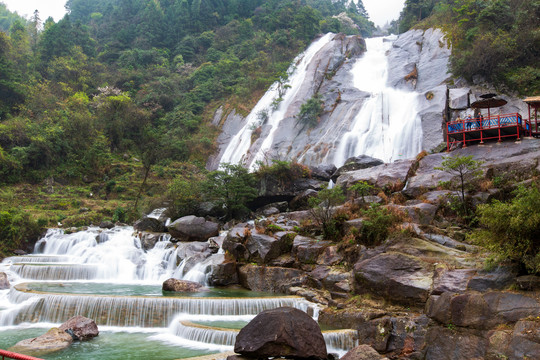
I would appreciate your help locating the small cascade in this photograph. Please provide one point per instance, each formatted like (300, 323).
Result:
(237, 149)
(55, 271)
(205, 334)
(387, 126)
(340, 340)
(139, 311)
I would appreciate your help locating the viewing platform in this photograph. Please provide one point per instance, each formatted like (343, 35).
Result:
(480, 129)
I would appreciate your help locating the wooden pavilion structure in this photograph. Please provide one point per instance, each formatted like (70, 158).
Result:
(479, 129)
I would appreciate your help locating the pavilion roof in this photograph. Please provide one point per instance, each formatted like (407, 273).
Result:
(532, 99)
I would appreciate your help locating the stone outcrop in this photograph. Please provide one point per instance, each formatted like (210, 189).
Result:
(53, 340)
(386, 175)
(270, 278)
(363, 352)
(149, 224)
(286, 332)
(4, 282)
(400, 277)
(80, 328)
(193, 228)
(182, 286)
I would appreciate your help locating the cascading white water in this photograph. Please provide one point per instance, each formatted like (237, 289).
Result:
(238, 147)
(388, 126)
(114, 255)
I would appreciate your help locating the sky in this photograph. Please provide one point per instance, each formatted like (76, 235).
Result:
(380, 11)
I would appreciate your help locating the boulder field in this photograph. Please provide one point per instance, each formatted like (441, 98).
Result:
(423, 291)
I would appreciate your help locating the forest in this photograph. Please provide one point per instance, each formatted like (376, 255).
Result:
(116, 76)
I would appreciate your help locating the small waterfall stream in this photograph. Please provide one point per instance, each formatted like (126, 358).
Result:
(107, 276)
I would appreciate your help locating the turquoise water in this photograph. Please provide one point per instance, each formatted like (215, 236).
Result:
(107, 346)
(94, 288)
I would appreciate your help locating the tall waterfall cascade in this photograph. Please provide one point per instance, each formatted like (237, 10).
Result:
(388, 126)
(275, 106)
(383, 97)
(108, 276)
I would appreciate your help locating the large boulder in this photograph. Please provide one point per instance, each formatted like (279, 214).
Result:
(80, 328)
(283, 332)
(181, 286)
(307, 250)
(398, 277)
(4, 282)
(265, 248)
(53, 340)
(193, 228)
(362, 352)
(269, 278)
(393, 175)
(357, 163)
(149, 224)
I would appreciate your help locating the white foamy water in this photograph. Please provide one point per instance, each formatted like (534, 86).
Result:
(237, 149)
(388, 126)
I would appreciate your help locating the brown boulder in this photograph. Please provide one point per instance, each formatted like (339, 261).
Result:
(269, 278)
(362, 352)
(181, 286)
(53, 340)
(286, 332)
(80, 328)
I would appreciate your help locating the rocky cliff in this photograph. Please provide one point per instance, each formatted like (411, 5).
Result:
(418, 63)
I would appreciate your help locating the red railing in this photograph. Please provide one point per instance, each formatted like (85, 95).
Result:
(11, 355)
(478, 129)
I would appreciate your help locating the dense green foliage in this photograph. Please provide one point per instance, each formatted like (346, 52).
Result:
(17, 230)
(377, 224)
(512, 230)
(498, 40)
(231, 189)
(77, 93)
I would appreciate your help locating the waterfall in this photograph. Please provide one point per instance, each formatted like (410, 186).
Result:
(237, 149)
(387, 126)
(137, 311)
(114, 255)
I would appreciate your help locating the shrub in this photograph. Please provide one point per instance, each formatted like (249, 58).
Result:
(310, 111)
(376, 225)
(17, 230)
(323, 211)
(119, 215)
(512, 229)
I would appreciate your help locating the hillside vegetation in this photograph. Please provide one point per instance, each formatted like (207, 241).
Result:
(498, 40)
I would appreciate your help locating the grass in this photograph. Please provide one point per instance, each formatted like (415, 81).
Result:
(80, 204)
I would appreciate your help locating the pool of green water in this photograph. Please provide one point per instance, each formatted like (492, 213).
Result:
(107, 346)
(94, 288)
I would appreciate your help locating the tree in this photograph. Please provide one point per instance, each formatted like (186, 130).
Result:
(323, 209)
(232, 188)
(465, 168)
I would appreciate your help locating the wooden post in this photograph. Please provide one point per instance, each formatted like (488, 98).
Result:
(499, 126)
